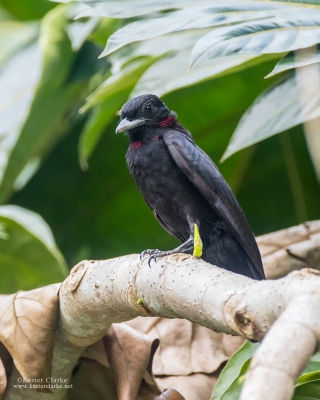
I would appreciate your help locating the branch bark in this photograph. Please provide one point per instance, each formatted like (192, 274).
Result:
(285, 311)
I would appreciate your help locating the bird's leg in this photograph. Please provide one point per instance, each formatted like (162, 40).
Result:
(194, 231)
(154, 254)
(197, 242)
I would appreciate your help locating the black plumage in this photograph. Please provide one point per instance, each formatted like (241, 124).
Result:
(183, 187)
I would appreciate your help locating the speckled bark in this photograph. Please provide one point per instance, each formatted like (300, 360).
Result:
(284, 311)
(186, 287)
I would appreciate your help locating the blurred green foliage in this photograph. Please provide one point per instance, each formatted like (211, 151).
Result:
(69, 167)
(28, 254)
(27, 10)
(232, 377)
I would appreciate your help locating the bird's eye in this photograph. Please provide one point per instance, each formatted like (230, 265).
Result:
(148, 109)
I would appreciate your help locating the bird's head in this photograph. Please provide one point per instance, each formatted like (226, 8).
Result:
(145, 110)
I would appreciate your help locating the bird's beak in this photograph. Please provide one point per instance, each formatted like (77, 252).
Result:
(126, 125)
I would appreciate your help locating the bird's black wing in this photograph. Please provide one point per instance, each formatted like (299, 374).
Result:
(205, 176)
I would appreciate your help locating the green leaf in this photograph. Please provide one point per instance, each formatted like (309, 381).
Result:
(233, 392)
(178, 76)
(33, 108)
(29, 256)
(316, 357)
(275, 110)
(289, 30)
(197, 17)
(79, 31)
(301, 2)
(232, 377)
(14, 36)
(5, 15)
(24, 70)
(313, 366)
(26, 174)
(310, 391)
(27, 10)
(127, 9)
(101, 116)
(308, 377)
(172, 72)
(235, 367)
(157, 47)
(123, 80)
(296, 60)
(103, 30)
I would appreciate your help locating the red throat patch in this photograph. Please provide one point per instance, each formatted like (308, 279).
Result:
(136, 145)
(168, 121)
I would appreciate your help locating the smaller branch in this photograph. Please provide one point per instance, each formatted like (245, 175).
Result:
(277, 359)
(290, 249)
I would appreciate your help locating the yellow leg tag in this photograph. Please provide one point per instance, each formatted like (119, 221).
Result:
(197, 243)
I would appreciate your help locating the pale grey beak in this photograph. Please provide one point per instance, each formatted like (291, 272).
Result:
(126, 125)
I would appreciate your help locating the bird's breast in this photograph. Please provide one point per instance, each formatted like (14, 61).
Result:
(155, 172)
(149, 162)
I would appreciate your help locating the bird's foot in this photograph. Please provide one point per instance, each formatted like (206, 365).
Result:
(155, 254)
(148, 252)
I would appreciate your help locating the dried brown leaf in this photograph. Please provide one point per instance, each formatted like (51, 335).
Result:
(185, 348)
(96, 352)
(192, 387)
(190, 356)
(130, 355)
(3, 379)
(92, 381)
(145, 393)
(6, 359)
(170, 394)
(27, 328)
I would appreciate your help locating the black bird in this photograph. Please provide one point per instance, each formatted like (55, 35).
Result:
(183, 187)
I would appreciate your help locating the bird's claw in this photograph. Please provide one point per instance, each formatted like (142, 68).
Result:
(153, 254)
(142, 254)
(148, 252)
(154, 257)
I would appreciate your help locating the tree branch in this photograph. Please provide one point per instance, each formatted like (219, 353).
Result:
(99, 293)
